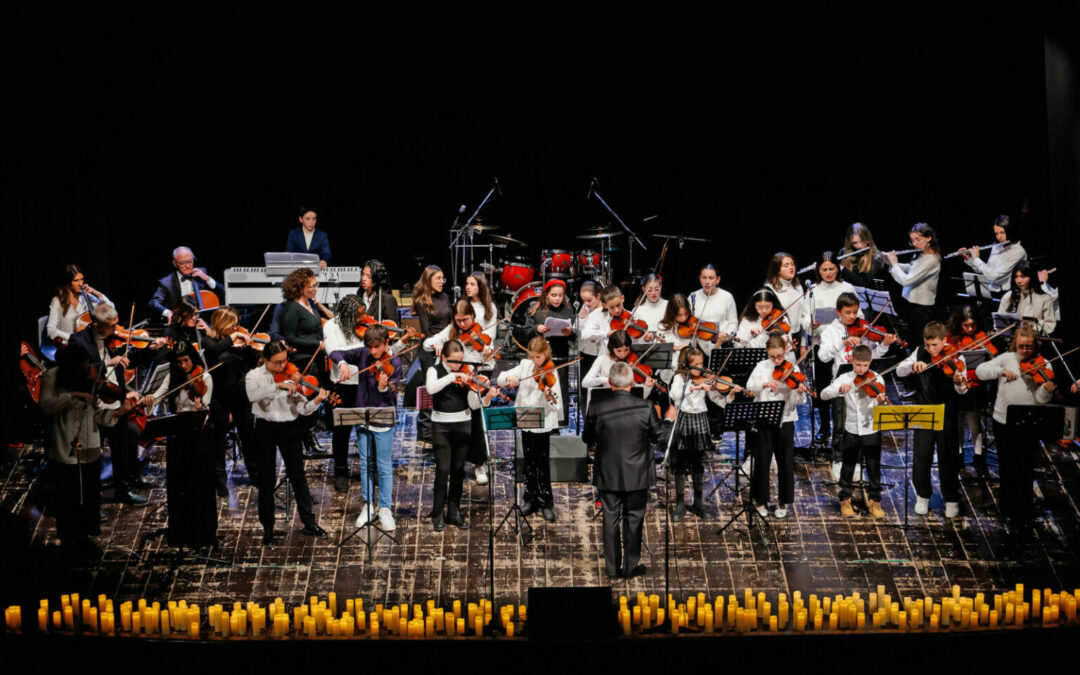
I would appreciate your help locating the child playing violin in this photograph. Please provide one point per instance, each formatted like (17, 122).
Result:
(689, 390)
(934, 386)
(764, 384)
(837, 340)
(452, 430)
(538, 387)
(553, 305)
(1016, 386)
(588, 349)
(859, 435)
(376, 388)
(618, 349)
(650, 307)
(676, 315)
(964, 332)
(476, 349)
(715, 305)
(762, 309)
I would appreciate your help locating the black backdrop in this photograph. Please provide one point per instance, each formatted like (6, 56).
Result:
(132, 142)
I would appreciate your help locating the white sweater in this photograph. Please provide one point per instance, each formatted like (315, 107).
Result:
(999, 266)
(718, 308)
(859, 419)
(919, 278)
(694, 401)
(832, 349)
(762, 373)
(530, 396)
(1037, 305)
(1021, 391)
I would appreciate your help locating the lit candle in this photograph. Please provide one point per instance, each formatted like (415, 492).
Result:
(1036, 601)
(478, 626)
(709, 625)
(691, 605)
(676, 621)
(659, 616)
(800, 621)
(375, 635)
(860, 621)
(101, 602)
(826, 604)
(510, 630)
(934, 623)
(636, 615)
(69, 617)
(818, 618)
(91, 619)
(136, 622)
(773, 625)
(43, 618)
(403, 625)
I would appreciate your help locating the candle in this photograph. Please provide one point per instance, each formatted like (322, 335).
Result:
(136, 622)
(834, 621)
(709, 625)
(773, 625)
(659, 616)
(43, 618)
(69, 617)
(860, 621)
(479, 625)
(91, 619)
(800, 621)
(818, 619)
(375, 635)
(691, 605)
(510, 630)
(826, 604)
(403, 625)
(676, 621)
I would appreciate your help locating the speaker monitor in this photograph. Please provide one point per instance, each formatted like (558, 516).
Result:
(569, 460)
(592, 607)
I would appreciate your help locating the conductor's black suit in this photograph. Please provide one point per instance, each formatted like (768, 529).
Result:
(624, 428)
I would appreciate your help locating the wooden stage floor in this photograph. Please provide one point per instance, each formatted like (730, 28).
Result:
(813, 550)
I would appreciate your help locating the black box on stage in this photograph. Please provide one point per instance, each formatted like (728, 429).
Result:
(569, 460)
(592, 609)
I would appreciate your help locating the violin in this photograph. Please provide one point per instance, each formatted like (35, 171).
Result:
(635, 328)
(786, 373)
(366, 321)
(196, 386)
(257, 341)
(869, 384)
(722, 383)
(774, 319)
(32, 369)
(307, 385)
(483, 387)
(642, 372)
(705, 330)
(950, 360)
(546, 380)
(864, 329)
(137, 339)
(476, 338)
(968, 342)
(1037, 368)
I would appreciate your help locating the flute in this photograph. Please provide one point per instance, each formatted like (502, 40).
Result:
(965, 250)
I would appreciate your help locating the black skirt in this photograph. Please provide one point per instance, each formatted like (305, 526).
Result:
(692, 441)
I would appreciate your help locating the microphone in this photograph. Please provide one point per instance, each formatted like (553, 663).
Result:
(498, 188)
(577, 305)
(592, 184)
(457, 292)
(460, 213)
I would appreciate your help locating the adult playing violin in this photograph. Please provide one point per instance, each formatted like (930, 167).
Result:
(69, 305)
(186, 280)
(301, 327)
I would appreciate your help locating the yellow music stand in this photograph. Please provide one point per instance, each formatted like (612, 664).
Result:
(905, 418)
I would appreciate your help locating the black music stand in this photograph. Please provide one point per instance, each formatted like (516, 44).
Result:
(172, 425)
(656, 356)
(906, 418)
(513, 418)
(380, 417)
(749, 416)
(736, 363)
(1036, 422)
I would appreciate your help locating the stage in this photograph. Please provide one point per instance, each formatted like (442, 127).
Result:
(813, 550)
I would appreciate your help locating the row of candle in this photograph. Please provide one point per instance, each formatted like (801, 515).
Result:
(317, 618)
(321, 618)
(851, 612)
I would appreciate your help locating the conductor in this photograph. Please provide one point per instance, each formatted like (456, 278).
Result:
(624, 428)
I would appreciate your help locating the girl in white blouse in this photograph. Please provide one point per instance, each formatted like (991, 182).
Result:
(1028, 299)
(70, 302)
(650, 307)
(1004, 256)
(919, 278)
(780, 278)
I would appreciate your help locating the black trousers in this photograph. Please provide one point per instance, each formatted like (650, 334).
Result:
(625, 509)
(1016, 460)
(781, 442)
(123, 440)
(283, 437)
(450, 441)
(945, 441)
(536, 447)
(233, 403)
(342, 434)
(870, 447)
(75, 520)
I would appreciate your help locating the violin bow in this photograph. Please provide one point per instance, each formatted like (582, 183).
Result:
(784, 311)
(261, 316)
(164, 396)
(1059, 357)
(876, 317)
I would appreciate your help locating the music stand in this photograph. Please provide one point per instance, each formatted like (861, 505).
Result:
(737, 363)
(656, 356)
(1003, 321)
(905, 418)
(513, 418)
(368, 417)
(872, 301)
(749, 416)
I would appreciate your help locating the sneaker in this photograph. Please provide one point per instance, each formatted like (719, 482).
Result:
(762, 511)
(482, 475)
(922, 506)
(364, 517)
(875, 509)
(781, 511)
(836, 471)
(386, 520)
(952, 509)
(846, 509)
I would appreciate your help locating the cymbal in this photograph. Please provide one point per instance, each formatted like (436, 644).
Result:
(507, 239)
(601, 234)
(481, 228)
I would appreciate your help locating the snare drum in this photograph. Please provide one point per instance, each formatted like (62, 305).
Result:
(557, 263)
(516, 272)
(589, 262)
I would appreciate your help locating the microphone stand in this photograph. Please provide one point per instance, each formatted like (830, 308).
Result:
(465, 250)
(634, 237)
(666, 464)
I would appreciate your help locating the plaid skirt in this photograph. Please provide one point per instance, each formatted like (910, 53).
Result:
(692, 441)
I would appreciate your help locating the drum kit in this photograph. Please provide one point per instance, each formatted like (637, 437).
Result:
(519, 279)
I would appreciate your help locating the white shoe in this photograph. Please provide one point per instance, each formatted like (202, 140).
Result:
(481, 475)
(762, 511)
(922, 506)
(746, 467)
(386, 520)
(781, 511)
(836, 466)
(364, 517)
(952, 509)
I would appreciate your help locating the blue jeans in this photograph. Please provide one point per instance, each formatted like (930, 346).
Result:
(384, 441)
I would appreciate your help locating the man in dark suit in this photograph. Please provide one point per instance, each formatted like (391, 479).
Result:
(186, 280)
(307, 239)
(624, 428)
